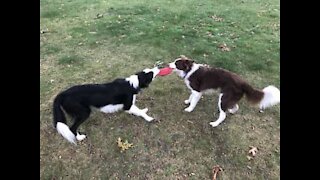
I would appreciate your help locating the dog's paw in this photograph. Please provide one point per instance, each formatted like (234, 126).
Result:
(188, 109)
(214, 124)
(149, 119)
(80, 137)
(145, 110)
(234, 109)
(186, 101)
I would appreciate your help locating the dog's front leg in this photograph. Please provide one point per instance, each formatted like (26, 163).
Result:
(195, 97)
(139, 112)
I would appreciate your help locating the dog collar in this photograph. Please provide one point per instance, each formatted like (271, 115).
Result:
(185, 76)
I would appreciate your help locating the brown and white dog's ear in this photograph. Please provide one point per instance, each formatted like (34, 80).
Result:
(183, 57)
(188, 64)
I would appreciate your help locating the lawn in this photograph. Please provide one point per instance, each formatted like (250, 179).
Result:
(96, 41)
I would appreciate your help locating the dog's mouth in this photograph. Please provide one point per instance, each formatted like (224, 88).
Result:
(155, 71)
(172, 66)
(179, 72)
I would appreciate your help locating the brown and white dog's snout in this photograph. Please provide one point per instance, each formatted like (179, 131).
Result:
(183, 64)
(172, 65)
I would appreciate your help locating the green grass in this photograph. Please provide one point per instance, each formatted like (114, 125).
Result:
(80, 48)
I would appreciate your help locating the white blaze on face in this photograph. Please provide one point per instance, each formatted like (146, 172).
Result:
(155, 71)
(174, 67)
(173, 64)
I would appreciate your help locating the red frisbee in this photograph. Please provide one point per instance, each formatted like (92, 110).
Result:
(165, 71)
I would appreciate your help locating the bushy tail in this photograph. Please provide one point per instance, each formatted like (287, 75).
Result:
(271, 97)
(268, 97)
(253, 95)
(59, 121)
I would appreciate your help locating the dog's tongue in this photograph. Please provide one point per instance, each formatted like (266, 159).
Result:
(165, 71)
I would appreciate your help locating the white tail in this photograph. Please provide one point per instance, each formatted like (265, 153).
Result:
(271, 97)
(64, 130)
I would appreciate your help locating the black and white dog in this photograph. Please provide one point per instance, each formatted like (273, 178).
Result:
(200, 78)
(119, 94)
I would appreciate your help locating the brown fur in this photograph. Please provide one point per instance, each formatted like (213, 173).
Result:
(231, 85)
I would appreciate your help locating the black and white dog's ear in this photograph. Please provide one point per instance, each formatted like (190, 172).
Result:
(145, 79)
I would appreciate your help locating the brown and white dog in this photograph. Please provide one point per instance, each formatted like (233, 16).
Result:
(200, 78)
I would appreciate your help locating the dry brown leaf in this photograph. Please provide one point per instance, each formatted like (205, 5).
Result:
(99, 16)
(253, 150)
(216, 18)
(123, 145)
(209, 34)
(44, 31)
(215, 171)
(224, 47)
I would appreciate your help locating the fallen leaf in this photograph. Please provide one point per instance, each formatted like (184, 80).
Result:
(44, 31)
(224, 47)
(216, 18)
(123, 145)
(253, 150)
(189, 121)
(252, 127)
(215, 171)
(209, 34)
(98, 16)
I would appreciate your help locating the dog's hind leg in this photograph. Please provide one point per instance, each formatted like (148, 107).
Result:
(139, 112)
(234, 109)
(82, 114)
(227, 101)
(232, 102)
(222, 114)
(131, 108)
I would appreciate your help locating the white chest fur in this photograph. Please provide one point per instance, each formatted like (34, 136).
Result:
(193, 69)
(188, 84)
(111, 108)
